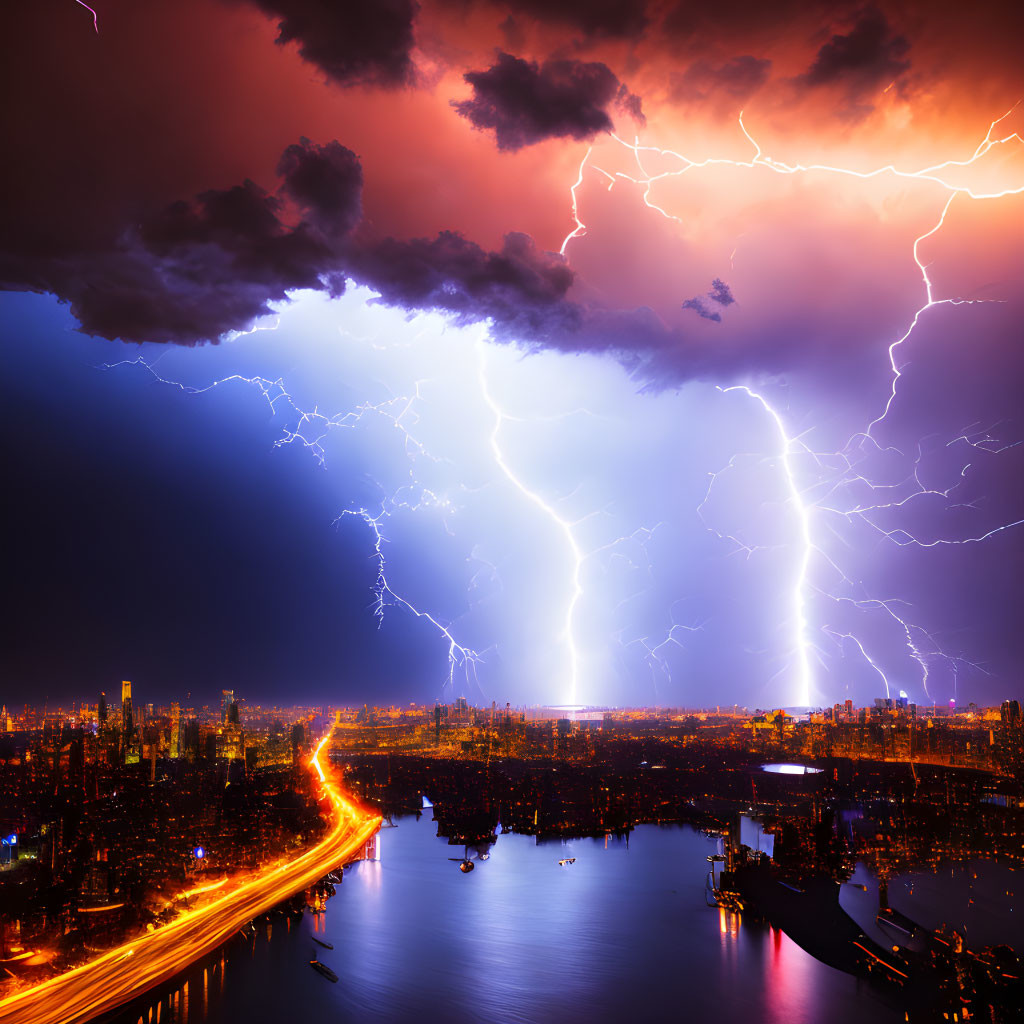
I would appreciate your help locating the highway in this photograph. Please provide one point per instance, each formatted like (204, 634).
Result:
(123, 973)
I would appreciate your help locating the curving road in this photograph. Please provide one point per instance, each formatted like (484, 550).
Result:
(129, 970)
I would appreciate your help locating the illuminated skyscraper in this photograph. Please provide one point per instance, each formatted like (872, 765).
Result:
(175, 730)
(127, 719)
(226, 700)
(128, 747)
(101, 711)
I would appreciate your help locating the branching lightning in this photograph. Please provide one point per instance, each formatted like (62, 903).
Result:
(844, 474)
(310, 429)
(838, 492)
(459, 656)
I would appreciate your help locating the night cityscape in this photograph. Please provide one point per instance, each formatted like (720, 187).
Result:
(514, 512)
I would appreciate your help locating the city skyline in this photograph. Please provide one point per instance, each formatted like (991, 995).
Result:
(515, 511)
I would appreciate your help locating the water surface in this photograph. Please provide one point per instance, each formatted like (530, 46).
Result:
(622, 934)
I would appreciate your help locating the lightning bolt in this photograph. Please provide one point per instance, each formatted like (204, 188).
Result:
(932, 174)
(846, 474)
(310, 430)
(563, 526)
(459, 655)
(652, 652)
(580, 229)
(95, 19)
(801, 511)
(839, 473)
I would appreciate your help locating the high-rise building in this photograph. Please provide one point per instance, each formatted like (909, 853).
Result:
(127, 718)
(175, 730)
(226, 700)
(101, 710)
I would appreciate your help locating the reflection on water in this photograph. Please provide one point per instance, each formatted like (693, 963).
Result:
(622, 933)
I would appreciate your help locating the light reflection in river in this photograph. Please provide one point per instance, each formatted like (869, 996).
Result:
(623, 933)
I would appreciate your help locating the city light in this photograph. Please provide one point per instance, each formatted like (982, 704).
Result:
(584, 438)
(152, 958)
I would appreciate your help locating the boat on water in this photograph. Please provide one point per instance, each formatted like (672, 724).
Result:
(320, 942)
(566, 860)
(323, 969)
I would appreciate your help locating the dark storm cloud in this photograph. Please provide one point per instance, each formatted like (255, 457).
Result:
(868, 55)
(354, 42)
(721, 292)
(198, 269)
(631, 104)
(201, 268)
(737, 79)
(326, 183)
(520, 288)
(700, 307)
(523, 102)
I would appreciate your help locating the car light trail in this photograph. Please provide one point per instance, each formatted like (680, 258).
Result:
(152, 959)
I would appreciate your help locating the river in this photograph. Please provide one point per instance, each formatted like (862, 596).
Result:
(622, 934)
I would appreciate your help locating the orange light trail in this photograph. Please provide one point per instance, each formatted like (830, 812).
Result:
(152, 959)
(880, 960)
(199, 890)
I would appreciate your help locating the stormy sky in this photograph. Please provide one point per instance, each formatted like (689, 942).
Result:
(569, 352)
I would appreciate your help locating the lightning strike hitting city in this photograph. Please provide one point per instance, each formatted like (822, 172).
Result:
(515, 512)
